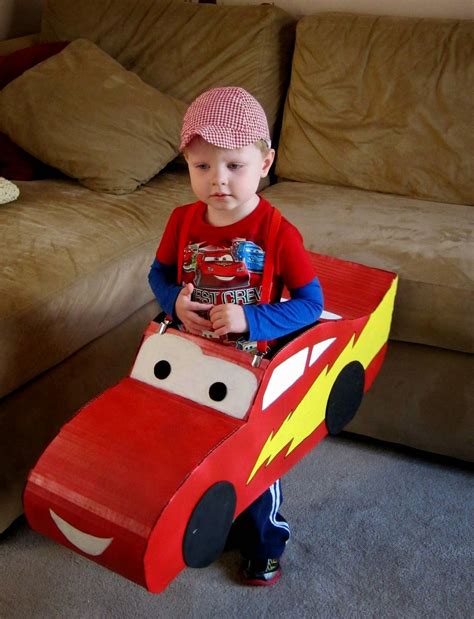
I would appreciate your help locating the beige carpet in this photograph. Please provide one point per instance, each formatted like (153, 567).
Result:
(378, 533)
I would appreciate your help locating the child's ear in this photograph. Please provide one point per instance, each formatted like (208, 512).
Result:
(267, 162)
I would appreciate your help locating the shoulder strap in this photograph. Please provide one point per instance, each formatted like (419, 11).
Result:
(183, 237)
(269, 267)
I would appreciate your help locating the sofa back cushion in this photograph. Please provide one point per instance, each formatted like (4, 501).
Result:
(183, 49)
(382, 103)
(83, 113)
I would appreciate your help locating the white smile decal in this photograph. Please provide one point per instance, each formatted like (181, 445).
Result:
(90, 544)
(224, 279)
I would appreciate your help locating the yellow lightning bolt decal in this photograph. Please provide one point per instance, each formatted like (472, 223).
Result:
(311, 411)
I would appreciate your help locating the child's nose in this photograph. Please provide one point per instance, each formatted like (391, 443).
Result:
(220, 177)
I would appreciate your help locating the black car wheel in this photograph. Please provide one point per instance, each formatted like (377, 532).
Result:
(209, 525)
(345, 397)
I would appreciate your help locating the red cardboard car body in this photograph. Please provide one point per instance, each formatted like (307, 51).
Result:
(147, 478)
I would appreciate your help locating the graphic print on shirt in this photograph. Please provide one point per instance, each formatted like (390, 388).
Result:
(230, 272)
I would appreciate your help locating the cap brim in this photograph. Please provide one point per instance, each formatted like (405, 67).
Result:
(222, 137)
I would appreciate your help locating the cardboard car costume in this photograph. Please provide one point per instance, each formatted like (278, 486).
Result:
(147, 478)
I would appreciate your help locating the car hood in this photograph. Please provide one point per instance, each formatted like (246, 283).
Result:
(136, 439)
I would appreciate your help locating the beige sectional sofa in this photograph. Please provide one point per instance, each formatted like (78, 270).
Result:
(375, 164)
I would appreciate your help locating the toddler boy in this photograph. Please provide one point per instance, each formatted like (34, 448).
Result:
(219, 264)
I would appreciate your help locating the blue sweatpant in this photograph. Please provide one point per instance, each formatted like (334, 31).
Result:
(260, 532)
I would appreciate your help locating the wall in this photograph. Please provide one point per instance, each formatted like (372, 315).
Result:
(18, 17)
(461, 9)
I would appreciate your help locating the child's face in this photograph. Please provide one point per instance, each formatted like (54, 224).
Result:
(227, 179)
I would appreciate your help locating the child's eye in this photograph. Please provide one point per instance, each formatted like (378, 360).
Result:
(202, 166)
(234, 166)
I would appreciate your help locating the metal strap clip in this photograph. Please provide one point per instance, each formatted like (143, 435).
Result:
(164, 324)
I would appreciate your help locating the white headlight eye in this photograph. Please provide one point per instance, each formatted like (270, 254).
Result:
(178, 365)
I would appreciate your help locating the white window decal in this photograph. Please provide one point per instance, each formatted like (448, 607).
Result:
(330, 315)
(324, 314)
(319, 349)
(284, 376)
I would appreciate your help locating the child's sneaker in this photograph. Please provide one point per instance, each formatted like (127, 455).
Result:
(262, 572)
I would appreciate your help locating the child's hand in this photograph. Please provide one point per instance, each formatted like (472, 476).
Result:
(186, 310)
(228, 318)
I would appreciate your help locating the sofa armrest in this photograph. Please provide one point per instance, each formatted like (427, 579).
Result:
(10, 45)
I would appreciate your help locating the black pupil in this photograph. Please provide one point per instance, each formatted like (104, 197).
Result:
(162, 369)
(217, 392)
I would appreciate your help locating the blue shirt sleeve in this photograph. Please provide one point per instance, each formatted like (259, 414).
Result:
(162, 280)
(273, 320)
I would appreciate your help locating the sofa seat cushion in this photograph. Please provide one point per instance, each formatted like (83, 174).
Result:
(75, 264)
(429, 244)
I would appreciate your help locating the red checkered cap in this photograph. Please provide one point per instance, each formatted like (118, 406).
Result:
(228, 117)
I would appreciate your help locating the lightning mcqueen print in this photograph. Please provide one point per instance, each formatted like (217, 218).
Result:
(147, 478)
